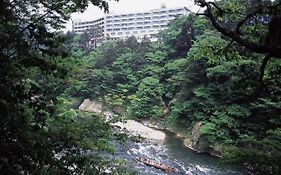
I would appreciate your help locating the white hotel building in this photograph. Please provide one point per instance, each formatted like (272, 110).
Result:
(138, 24)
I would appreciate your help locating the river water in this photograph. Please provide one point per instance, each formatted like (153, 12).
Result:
(173, 153)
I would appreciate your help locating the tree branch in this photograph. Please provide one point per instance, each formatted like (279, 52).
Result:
(16, 36)
(263, 66)
(226, 47)
(242, 22)
(262, 48)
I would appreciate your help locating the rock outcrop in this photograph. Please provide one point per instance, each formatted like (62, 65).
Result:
(95, 107)
(91, 106)
(199, 143)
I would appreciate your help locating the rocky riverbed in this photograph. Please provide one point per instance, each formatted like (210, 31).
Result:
(165, 147)
(135, 128)
(171, 152)
(161, 146)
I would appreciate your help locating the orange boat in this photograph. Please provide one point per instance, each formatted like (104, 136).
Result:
(157, 165)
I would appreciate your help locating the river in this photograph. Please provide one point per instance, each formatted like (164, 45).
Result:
(172, 152)
(175, 154)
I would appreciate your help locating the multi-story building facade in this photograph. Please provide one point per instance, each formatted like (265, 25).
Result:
(139, 24)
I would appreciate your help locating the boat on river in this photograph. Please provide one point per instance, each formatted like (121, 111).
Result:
(157, 165)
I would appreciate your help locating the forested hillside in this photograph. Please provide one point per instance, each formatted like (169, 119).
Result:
(195, 75)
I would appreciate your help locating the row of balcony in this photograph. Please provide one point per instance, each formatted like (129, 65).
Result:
(171, 16)
(143, 32)
(156, 12)
(138, 28)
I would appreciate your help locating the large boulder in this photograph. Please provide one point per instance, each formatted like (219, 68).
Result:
(91, 106)
(96, 107)
(199, 142)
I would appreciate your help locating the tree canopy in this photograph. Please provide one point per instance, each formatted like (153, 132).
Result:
(254, 25)
(39, 134)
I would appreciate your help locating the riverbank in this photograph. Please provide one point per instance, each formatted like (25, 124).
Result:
(159, 143)
(182, 136)
(151, 130)
(131, 127)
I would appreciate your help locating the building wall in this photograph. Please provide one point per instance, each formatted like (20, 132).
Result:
(139, 24)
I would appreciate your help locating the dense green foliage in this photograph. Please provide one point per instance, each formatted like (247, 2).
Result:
(39, 133)
(194, 75)
(142, 76)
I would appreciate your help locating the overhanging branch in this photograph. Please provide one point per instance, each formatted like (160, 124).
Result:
(234, 34)
(263, 66)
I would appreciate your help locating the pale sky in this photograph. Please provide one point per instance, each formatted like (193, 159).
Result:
(125, 6)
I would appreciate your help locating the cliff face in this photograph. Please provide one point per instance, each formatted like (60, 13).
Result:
(199, 143)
